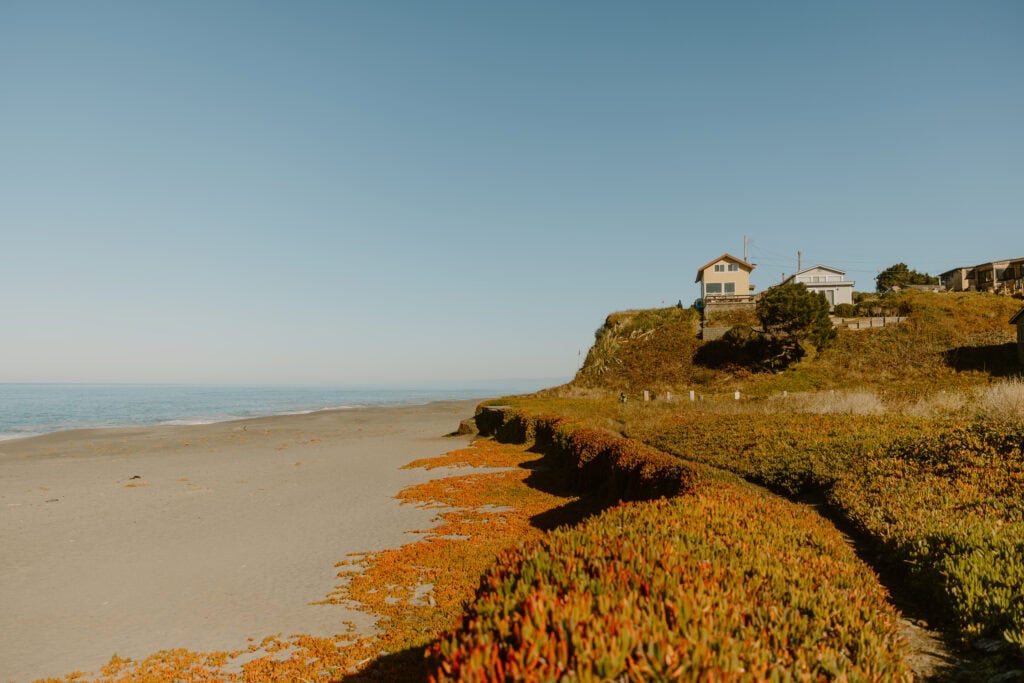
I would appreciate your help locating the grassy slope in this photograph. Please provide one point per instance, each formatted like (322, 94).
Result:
(649, 349)
(949, 341)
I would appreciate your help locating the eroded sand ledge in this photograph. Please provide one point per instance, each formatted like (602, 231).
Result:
(130, 541)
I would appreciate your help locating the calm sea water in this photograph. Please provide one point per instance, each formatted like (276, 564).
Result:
(31, 409)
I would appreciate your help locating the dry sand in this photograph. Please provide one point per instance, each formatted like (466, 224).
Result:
(131, 541)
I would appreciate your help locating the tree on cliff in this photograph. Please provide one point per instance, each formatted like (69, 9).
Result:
(900, 275)
(793, 318)
(794, 322)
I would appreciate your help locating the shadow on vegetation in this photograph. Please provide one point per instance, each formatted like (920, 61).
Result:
(548, 476)
(744, 348)
(410, 664)
(999, 360)
(715, 354)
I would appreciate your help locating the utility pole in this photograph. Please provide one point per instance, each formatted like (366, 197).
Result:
(799, 258)
(745, 249)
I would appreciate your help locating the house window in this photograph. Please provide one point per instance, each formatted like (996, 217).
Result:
(730, 287)
(719, 267)
(733, 267)
(713, 288)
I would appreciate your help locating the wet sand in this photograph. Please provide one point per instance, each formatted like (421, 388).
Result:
(131, 541)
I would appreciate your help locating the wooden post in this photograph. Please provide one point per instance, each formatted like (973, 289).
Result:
(737, 395)
(693, 396)
(647, 395)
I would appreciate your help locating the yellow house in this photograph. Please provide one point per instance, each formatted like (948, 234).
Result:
(726, 276)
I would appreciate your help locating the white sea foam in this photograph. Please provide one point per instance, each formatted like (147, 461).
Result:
(10, 436)
(186, 422)
(347, 406)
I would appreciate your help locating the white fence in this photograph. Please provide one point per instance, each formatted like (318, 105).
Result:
(867, 323)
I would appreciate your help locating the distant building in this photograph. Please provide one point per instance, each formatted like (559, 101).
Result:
(1011, 280)
(831, 282)
(726, 276)
(955, 280)
(1018, 320)
(1000, 277)
(986, 276)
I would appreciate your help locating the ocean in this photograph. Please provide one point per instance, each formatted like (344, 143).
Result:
(33, 409)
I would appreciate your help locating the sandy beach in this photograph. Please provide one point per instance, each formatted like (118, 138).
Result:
(131, 541)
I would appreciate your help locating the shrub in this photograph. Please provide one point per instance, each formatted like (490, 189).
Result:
(845, 310)
(791, 315)
(792, 310)
(595, 460)
(726, 584)
(901, 275)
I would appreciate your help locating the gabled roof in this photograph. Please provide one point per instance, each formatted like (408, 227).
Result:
(792, 278)
(834, 270)
(723, 257)
(1017, 317)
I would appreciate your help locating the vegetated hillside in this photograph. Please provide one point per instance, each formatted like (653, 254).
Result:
(935, 499)
(945, 334)
(646, 349)
(947, 339)
(918, 452)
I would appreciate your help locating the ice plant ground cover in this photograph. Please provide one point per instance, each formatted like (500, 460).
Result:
(939, 500)
(945, 499)
(727, 583)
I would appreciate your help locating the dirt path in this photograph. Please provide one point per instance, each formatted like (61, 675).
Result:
(931, 657)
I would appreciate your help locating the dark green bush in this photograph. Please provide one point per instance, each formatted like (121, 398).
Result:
(845, 310)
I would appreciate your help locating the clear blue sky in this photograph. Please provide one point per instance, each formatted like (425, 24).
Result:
(408, 192)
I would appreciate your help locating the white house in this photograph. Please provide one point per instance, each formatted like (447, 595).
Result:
(829, 281)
